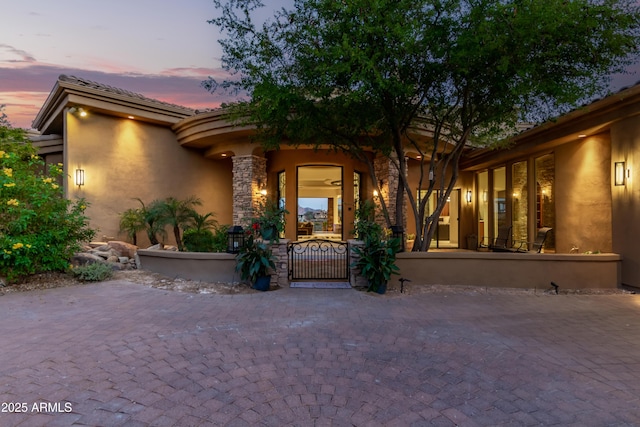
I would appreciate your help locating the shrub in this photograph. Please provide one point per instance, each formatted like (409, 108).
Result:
(198, 240)
(96, 272)
(205, 240)
(39, 229)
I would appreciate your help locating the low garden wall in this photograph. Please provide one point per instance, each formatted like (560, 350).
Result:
(208, 266)
(489, 269)
(522, 270)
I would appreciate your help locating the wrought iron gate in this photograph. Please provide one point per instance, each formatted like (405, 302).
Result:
(318, 259)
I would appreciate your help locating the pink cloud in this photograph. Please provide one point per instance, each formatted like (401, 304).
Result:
(10, 54)
(25, 89)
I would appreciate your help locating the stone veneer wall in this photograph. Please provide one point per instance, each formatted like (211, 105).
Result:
(388, 174)
(281, 275)
(249, 177)
(355, 278)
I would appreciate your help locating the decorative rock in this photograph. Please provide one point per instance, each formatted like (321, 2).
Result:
(157, 247)
(170, 248)
(123, 248)
(105, 254)
(84, 258)
(113, 259)
(123, 260)
(96, 244)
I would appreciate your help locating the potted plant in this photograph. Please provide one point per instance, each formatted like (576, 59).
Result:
(254, 261)
(269, 221)
(377, 262)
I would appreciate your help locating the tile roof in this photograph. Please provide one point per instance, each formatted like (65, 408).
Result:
(114, 90)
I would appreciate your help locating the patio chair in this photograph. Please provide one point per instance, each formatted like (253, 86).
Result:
(537, 244)
(500, 243)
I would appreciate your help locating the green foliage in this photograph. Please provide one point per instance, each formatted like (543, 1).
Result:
(40, 230)
(220, 238)
(198, 240)
(152, 221)
(377, 261)
(178, 214)
(206, 240)
(95, 272)
(365, 226)
(268, 220)
(364, 75)
(131, 221)
(254, 259)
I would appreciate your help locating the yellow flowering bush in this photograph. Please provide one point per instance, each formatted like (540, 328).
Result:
(40, 230)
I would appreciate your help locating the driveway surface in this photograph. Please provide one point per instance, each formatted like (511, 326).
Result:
(124, 354)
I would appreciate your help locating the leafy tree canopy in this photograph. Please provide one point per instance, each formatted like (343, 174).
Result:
(368, 75)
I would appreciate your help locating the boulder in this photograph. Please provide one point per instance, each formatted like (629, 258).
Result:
(105, 254)
(123, 248)
(97, 244)
(84, 258)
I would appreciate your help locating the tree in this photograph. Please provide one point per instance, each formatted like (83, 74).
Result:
(372, 75)
(40, 230)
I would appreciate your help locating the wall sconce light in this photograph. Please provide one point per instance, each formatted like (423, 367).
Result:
(375, 193)
(79, 177)
(620, 173)
(469, 196)
(262, 188)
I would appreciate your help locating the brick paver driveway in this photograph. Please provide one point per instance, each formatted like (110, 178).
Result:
(119, 353)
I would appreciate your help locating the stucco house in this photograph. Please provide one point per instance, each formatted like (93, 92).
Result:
(574, 174)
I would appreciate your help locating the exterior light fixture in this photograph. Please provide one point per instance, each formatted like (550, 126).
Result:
(263, 191)
(375, 193)
(79, 177)
(620, 173)
(469, 196)
(235, 239)
(130, 117)
(82, 112)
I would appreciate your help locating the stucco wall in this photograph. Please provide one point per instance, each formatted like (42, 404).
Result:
(526, 271)
(583, 195)
(125, 159)
(625, 137)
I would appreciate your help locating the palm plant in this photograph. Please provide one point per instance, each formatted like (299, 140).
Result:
(152, 220)
(132, 221)
(179, 214)
(203, 222)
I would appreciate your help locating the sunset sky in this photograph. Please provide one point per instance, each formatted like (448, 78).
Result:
(162, 49)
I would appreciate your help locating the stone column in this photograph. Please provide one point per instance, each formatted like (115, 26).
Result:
(249, 177)
(281, 276)
(355, 278)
